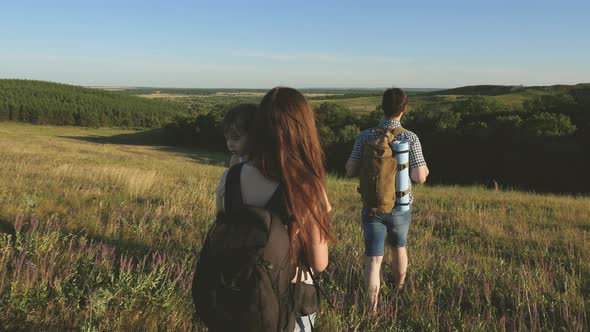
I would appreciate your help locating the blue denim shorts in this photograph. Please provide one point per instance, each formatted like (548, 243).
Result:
(392, 226)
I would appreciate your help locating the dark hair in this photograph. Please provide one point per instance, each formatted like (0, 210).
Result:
(240, 118)
(288, 150)
(393, 102)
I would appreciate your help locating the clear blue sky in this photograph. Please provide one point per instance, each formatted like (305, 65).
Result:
(260, 44)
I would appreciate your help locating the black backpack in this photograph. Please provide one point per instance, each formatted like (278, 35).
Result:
(243, 276)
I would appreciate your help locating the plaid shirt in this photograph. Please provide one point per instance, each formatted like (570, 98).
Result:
(416, 157)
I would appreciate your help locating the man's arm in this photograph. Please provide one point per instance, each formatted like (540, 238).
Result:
(418, 174)
(352, 167)
(418, 169)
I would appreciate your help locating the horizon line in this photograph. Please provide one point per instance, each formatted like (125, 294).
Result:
(302, 88)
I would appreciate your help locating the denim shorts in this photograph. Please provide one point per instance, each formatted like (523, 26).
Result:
(392, 226)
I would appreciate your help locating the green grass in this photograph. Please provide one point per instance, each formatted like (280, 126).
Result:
(356, 104)
(96, 234)
(368, 104)
(511, 99)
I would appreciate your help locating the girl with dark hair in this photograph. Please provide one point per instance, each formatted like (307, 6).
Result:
(286, 151)
(237, 129)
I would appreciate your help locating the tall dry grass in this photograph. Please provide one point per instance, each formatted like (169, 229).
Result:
(104, 237)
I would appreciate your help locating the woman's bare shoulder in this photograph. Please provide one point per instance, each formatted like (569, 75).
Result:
(256, 188)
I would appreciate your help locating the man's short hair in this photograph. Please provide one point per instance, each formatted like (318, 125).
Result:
(393, 102)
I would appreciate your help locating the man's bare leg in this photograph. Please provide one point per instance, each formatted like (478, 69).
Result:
(373, 280)
(400, 264)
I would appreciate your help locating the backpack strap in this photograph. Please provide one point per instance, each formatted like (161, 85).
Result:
(277, 204)
(302, 267)
(297, 292)
(319, 289)
(400, 194)
(379, 130)
(397, 130)
(233, 190)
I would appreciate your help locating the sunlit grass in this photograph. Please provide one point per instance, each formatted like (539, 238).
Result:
(356, 104)
(105, 236)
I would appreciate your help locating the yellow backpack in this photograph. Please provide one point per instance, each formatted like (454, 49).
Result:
(378, 170)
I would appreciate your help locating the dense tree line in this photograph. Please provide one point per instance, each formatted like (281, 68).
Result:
(40, 102)
(480, 90)
(540, 146)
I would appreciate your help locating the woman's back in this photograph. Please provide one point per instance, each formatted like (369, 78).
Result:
(286, 149)
(256, 188)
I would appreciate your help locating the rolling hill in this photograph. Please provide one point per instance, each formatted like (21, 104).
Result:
(41, 102)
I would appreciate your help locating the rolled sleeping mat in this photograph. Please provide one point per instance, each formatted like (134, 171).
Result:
(401, 150)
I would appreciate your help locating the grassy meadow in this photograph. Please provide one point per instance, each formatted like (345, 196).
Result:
(358, 104)
(96, 234)
(363, 104)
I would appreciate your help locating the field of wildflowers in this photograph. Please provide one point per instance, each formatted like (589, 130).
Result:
(99, 236)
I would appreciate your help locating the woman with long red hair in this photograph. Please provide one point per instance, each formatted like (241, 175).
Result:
(287, 152)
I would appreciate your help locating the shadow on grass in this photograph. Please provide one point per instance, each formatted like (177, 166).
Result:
(121, 246)
(143, 258)
(7, 227)
(156, 138)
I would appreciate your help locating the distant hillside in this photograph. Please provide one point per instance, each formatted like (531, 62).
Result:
(41, 102)
(496, 90)
(581, 91)
(312, 93)
(481, 90)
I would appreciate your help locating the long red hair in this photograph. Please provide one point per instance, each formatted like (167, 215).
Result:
(288, 150)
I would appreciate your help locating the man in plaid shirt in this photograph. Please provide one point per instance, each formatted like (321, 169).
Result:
(394, 225)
